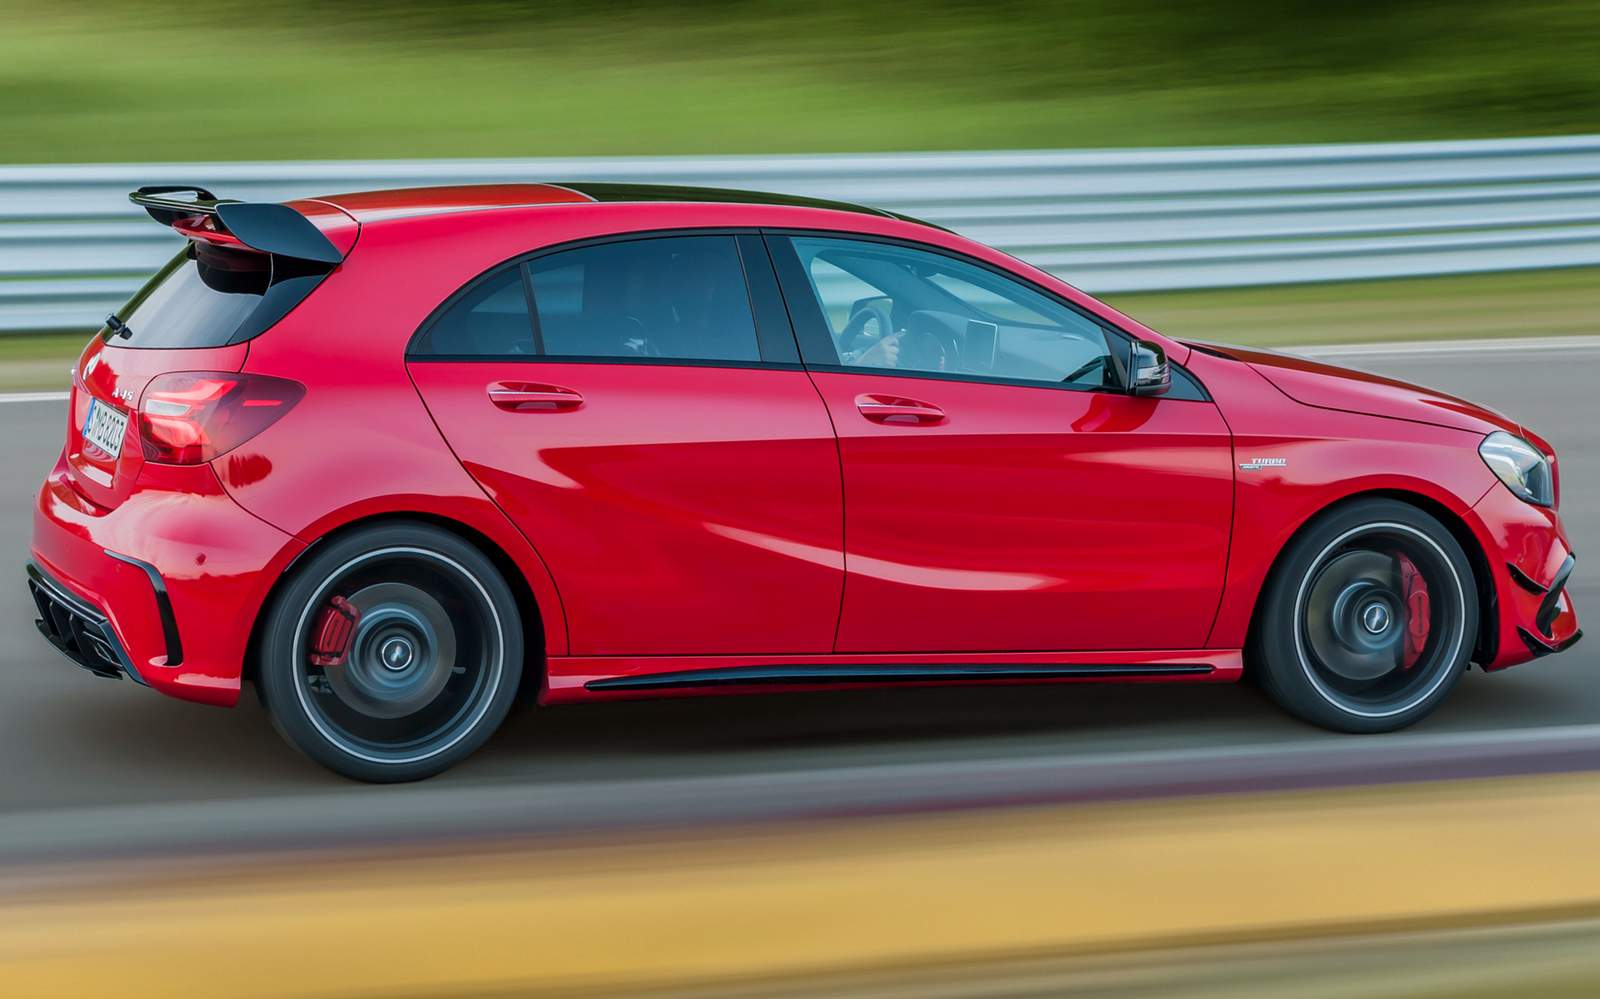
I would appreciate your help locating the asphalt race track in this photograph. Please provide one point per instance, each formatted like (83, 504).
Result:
(91, 760)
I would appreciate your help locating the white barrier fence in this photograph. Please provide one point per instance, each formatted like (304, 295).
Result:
(72, 248)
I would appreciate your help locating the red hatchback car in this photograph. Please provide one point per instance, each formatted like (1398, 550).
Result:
(393, 456)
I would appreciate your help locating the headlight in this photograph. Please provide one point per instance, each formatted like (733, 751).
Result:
(1520, 466)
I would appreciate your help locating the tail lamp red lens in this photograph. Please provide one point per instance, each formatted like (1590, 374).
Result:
(191, 417)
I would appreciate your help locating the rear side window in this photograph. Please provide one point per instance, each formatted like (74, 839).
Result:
(666, 298)
(200, 299)
(674, 297)
(489, 320)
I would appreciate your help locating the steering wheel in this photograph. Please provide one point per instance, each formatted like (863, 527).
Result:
(872, 321)
(922, 350)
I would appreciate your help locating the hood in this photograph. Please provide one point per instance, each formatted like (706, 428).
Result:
(1327, 386)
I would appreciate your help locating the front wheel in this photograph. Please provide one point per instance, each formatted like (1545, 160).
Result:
(1369, 619)
(392, 654)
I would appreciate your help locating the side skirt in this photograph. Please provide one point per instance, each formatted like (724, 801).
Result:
(577, 678)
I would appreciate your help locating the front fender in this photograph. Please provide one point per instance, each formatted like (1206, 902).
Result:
(1318, 458)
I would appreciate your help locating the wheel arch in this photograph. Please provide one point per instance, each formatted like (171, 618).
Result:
(532, 616)
(1487, 640)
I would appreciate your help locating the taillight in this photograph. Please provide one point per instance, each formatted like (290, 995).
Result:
(191, 417)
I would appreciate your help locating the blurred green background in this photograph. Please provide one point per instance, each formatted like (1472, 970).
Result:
(227, 79)
(157, 80)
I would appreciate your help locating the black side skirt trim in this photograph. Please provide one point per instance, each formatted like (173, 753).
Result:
(169, 622)
(744, 676)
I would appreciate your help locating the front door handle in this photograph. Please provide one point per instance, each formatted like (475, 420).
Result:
(894, 409)
(533, 397)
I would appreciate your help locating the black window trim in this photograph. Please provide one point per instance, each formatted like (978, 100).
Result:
(776, 343)
(811, 326)
(768, 300)
(525, 273)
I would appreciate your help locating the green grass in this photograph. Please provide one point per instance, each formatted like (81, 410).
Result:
(159, 80)
(1514, 303)
(1529, 303)
(30, 361)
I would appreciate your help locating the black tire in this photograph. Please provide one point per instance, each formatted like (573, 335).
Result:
(1336, 640)
(432, 662)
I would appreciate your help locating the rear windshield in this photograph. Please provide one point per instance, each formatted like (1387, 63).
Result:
(200, 299)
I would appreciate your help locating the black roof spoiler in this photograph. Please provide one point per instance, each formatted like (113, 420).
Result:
(268, 227)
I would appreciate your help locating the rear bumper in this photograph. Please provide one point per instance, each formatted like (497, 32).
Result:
(165, 588)
(1530, 559)
(80, 632)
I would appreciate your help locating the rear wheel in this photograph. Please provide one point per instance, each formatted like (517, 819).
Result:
(1369, 619)
(393, 653)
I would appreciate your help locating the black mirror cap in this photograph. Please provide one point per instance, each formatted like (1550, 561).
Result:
(1150, 374)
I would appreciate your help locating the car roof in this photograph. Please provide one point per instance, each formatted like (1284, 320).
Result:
(411, 202)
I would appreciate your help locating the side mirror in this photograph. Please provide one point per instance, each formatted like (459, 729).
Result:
(1150, 374)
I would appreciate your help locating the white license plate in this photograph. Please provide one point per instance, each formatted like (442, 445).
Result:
(105, 427)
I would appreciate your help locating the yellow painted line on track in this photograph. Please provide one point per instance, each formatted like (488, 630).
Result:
(766, 903)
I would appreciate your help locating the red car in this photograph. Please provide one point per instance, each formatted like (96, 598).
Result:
(395, 456)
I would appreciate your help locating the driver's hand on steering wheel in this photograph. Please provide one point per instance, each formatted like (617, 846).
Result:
(883, 354)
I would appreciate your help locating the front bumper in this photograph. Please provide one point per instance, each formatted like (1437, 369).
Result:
(164, 588)
(1554, 604)
(1530, 613)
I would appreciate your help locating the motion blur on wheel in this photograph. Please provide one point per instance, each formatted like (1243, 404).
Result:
(395, 457)
(397, 646)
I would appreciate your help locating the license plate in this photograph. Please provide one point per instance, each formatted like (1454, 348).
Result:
(105, 427)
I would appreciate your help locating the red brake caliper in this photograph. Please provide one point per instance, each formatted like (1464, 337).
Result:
(330, 640)
(1415, 590)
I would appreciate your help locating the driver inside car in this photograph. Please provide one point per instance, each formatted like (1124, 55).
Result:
(911, 349)
(873, 352)
(869, 338)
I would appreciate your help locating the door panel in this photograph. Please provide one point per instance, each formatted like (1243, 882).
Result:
(680, 509)
(1026, 518)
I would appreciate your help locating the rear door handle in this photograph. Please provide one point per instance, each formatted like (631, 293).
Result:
(894, 409)
(533, 397)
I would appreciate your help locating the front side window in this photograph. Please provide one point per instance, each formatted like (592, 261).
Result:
(894, 307)
(672, 297)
